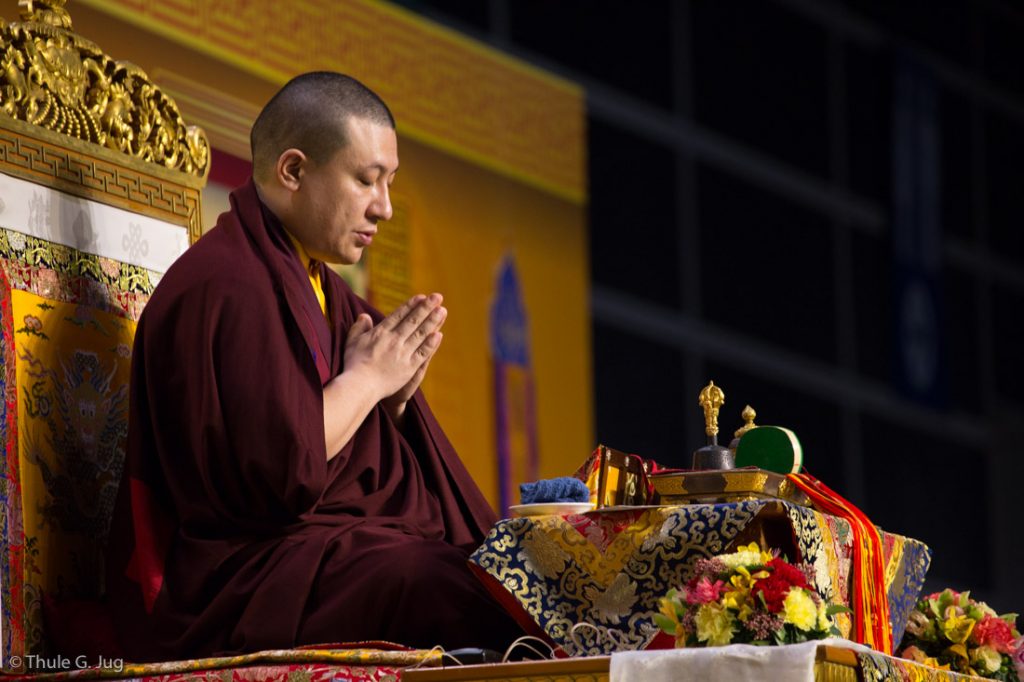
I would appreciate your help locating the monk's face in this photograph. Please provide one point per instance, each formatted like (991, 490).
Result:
(339, 202)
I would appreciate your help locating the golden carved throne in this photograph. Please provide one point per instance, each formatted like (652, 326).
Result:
(99, 191)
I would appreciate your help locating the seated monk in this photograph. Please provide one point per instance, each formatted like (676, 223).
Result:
(285, 481)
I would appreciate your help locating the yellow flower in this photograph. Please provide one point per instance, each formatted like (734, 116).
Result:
(985, 659)
(667, 609)
(957, 628)
(738, 598)
(714, 624)
(799, 609)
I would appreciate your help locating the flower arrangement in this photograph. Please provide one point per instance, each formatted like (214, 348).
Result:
(749, 596)
(951, 631)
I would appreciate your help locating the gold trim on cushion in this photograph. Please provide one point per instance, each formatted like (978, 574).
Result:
(55, 79)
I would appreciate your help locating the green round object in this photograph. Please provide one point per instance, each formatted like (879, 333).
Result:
(772, 448)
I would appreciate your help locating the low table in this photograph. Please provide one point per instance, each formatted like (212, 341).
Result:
(608, 568)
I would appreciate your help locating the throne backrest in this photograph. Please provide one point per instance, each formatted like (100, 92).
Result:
(67, 322)
(87, 227)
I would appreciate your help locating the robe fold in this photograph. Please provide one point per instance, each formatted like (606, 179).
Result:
(232, 531)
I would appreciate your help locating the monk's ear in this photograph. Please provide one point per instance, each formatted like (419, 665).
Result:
(290, 169)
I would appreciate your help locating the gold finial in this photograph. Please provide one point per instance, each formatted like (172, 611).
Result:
(711, 400)
(748, 416)
(49, 12)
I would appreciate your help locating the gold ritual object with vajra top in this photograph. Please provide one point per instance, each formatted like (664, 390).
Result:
(620, 479)
(714, 476)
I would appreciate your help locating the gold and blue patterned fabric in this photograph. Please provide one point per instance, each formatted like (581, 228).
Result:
(592, 582)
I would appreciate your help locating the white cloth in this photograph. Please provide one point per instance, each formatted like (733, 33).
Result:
(89, 226)
(733, 663)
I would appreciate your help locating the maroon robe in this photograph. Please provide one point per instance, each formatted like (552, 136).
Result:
(233, 532)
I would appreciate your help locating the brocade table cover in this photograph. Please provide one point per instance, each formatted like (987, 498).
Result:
(607, 569)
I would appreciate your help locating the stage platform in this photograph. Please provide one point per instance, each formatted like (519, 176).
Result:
(832, 664)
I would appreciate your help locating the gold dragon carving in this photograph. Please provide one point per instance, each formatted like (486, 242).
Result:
(54, 78)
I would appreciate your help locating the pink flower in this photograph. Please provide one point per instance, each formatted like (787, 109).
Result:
(33, 323)
(1018, 657)
(994, 632)
(704, 591)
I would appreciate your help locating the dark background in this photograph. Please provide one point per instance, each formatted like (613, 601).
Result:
(745, 226)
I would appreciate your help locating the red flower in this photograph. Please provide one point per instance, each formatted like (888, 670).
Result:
(787, 572)
(784, 577)
(994, 632)
(774, 589)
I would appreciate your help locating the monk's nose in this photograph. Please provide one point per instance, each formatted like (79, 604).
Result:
(381, 207)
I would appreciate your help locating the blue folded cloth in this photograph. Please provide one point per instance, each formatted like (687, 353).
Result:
(561, 489)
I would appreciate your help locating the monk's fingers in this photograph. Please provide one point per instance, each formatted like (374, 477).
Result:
(430, 324)
(415, 329)
(426, 350)
(362, 325)
(401, 312)
(417, 377)
(417, 315)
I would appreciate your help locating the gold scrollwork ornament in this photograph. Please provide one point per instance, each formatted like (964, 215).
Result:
(54, 78)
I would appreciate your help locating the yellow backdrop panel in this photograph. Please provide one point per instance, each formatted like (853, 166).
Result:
(463, 223)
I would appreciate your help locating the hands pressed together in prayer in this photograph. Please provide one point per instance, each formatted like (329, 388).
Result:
(384, 363)
(395, 354)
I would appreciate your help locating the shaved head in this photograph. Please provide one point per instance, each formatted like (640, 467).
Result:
(309, 114)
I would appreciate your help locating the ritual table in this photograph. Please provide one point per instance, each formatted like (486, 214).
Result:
(590, 583)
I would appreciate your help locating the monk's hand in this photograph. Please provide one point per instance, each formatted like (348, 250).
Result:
(394, 354)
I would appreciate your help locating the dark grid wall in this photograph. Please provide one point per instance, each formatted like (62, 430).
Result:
(741, 229)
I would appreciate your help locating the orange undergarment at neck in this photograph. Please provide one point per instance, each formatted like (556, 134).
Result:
(312, 268)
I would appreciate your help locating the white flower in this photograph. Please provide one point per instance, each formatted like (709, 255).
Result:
(744, 558)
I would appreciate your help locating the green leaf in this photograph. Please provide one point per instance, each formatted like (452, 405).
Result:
(833, 609)
(665, 623)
